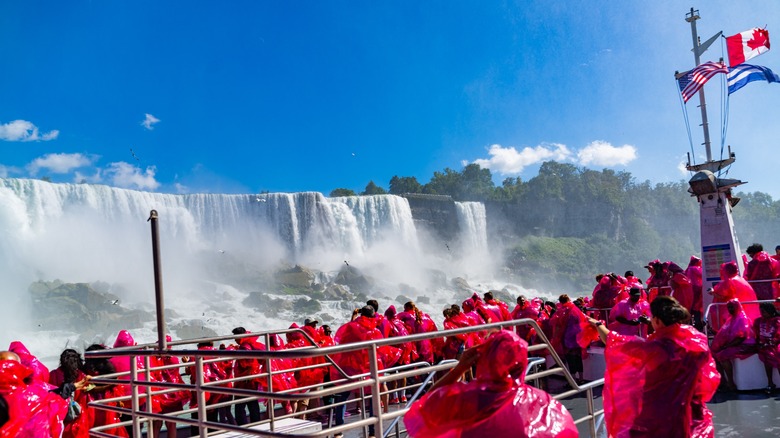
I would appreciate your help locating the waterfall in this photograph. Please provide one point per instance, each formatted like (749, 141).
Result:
(473, 226)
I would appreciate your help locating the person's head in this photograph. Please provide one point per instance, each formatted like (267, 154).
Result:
(326, 330)
(668, 311)
(503, 359)
(409, 306)
(455, 310)
(367, 311)
(239, 331)
(768, 310)
(374, 304)
(521, 300)
(447, 313)
(124, 339)
(733, 306)
(10, 355)
(634, 294)
(205, 345)
(777, 250)
(754, 249)
(487, 296)
(629, 274)
(563, 299)
(599, 277)
(311, 322)
(729, 269)
(468, 305)
(71, 363)
(390, 312)
(97, 366)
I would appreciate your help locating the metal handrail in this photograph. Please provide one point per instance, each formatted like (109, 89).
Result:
(706, 316)
(374, 378)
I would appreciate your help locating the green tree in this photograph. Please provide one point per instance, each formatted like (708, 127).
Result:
(444, 183)
(476, 183)
(373, 189)
(404, 184)
(342, 192)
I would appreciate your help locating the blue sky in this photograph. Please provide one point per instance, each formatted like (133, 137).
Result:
(249, 96)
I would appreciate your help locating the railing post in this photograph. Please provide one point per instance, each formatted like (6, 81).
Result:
(376, 390)
(134, 395)
(200, 395)
(591, 410)
(162, 343)
(270, 403)
(148, 391)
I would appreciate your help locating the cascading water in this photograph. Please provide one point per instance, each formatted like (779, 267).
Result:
(473, 225)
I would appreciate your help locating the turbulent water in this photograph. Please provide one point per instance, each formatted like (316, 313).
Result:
(212, 245)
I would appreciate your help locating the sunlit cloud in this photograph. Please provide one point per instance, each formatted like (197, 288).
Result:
(126, 175)
(181, 188)
(59, 163)
(22, 130)
(510, 161)
(150, 121)
(601, 153)
(79, 177)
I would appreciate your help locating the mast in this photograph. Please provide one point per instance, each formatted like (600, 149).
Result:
(719, 242)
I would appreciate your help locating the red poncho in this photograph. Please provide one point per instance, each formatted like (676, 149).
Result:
(529, 310)
(453, 344)
(571, 329)
(767, 331)
(732, 286)
(33, 411)
(496, 404)
(693, 272)
(427, 348)
(762, 267)
(658, 387)
(738, 326)
(307, 377)
(356, 362)
(408, 349)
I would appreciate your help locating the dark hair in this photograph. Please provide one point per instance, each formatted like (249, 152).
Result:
(669, 310)
(563, 299)
(367, 311)
(205, 344)
(488, 296)
(754, 249)
(3, 411)
(447, 313)
(410, 306)
(239, 331)
(98, 366)
(374, 304)
(455, 309)
(71, 363)
(768, 308)
(599, 277)
(629, 274)
(326, 328)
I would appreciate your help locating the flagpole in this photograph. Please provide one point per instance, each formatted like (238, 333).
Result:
(691, 17)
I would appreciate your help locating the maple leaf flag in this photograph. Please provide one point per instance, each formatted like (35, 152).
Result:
(746, 45)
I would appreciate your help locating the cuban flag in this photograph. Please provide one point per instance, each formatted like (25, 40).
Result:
(691, 81)
(746, 45)
(743, 74)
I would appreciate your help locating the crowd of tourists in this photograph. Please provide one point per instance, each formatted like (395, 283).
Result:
(659, 365)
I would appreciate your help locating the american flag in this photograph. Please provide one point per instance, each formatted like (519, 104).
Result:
(691, 81)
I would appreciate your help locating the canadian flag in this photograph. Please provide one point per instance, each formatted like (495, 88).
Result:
(746, 45)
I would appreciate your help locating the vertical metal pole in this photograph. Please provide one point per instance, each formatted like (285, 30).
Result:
(201, 395)
(591, 410)
(692, 17)
(270, 403)
(376, 390)
(148, 391)
(134, 395)
(158, 288)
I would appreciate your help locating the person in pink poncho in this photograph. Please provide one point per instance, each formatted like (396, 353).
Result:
(735, 340)
(761, 267)
(629, 316)
(693, 272)
(658, 387)
(33, 411)
(497, 403)
(767, 331)
(526, 309)
(731, 286)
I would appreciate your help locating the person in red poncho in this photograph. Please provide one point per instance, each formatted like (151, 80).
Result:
(70, 379)
(498, 310)
(767, 331)
(735, 340)
(731, 286)
(682, 287)
(33, 411)
(526, 309)
(418, 322)
(658, 387)
(408, 354)
(571, 334)
(497, 403)
(362, 328)
(693, 272)
(455, 345)
(761, 267)
(171, 401)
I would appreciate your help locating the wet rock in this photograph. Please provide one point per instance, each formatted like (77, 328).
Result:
(462, 285)
(337, 292)
(358, 282)
(192, 329)
(298, 276)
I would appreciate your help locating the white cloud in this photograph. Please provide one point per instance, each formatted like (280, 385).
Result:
(508, 161)
(150, 121)
(126, 175)
(181, 188)
(22, 130)
(79, 177)
(3, 171)
(601, 153)
(59, 163)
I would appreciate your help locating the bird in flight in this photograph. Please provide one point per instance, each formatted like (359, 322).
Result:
(345, 262)
(134, 155)
(115, 302)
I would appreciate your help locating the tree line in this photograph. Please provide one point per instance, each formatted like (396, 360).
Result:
(566, 224)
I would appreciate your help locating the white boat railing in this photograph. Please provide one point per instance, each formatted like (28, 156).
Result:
(369, 386)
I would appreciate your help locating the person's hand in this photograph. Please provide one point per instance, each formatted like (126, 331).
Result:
(644, 319)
